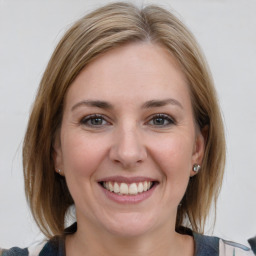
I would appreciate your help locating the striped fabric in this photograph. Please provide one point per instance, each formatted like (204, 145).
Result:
(227, 248)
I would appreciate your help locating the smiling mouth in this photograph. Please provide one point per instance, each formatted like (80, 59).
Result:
(127, 189)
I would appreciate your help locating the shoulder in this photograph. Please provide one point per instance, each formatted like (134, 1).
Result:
(214, 246)
(15, 251)
(206, 245)
(53, 247)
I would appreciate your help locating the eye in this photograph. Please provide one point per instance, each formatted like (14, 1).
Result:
(94, 121)
(161, 120)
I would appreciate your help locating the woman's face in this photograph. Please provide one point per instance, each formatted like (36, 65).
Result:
(128, 126)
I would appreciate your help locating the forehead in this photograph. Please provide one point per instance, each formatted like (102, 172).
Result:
(136, 71)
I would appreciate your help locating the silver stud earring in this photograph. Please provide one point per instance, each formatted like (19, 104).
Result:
(196, 168)
(59, 171)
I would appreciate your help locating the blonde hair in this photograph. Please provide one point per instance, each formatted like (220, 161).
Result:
(106, 28)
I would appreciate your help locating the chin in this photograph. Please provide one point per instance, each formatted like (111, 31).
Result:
(130, 225)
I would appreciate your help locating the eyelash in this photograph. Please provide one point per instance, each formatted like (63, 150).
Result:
(164, 117)
(87, 120)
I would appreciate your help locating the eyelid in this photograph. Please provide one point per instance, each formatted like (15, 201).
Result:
(87, 118)
(171, 120)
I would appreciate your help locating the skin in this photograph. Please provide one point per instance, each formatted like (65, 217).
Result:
(129, 140)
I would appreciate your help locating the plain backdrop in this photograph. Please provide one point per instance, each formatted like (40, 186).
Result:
(226, 31)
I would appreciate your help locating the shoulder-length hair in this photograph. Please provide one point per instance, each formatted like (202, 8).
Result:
(106, 28)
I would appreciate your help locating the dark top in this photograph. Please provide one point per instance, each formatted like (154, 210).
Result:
(204, 246)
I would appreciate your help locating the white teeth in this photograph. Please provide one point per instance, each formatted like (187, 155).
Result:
(133, 190)
(111, 188)
(116, 188)
(124, 189)
(145, 186)
(127, 189)
(140, 187)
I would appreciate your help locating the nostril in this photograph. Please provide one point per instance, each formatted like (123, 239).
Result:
(128, 151)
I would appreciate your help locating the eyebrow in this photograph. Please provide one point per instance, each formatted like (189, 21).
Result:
(147, 104)
(93, 103)
(161, 103)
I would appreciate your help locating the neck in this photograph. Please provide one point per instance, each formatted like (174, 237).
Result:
(164, 242)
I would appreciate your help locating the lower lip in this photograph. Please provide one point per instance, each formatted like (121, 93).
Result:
(132, 199)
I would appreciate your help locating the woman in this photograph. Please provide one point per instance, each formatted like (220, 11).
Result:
(126, 127)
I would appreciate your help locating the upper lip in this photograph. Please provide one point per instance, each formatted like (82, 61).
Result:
(127, 180)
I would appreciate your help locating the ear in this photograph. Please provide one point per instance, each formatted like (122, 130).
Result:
(199, 147)
(57, 155)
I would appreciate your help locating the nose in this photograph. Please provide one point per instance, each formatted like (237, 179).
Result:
(128, 148)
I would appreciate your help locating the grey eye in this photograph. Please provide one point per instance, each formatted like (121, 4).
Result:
(94, 120)
(161, 120)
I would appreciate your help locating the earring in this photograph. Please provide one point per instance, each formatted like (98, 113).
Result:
(59, 171)
(196, 168)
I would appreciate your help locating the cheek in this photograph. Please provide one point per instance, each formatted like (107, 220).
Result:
(81, 158)
(81, 155)
(174, 155)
